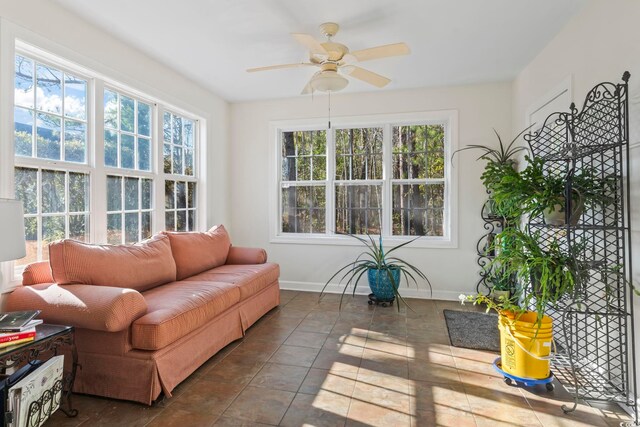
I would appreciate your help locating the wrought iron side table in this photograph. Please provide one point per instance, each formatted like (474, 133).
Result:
(48, 340)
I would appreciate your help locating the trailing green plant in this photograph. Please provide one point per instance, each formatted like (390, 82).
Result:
(534, 190)
(377, 258)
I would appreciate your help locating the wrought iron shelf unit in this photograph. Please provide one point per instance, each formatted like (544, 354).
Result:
(493, 225)
(595, 359)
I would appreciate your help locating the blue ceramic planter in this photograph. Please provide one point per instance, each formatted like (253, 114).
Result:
(381, 285)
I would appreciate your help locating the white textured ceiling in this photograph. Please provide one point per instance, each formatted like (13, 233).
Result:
(213, 41)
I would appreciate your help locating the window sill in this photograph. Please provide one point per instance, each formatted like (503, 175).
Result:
(319, 239)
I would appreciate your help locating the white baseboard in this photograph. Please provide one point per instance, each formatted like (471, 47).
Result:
(364, 290)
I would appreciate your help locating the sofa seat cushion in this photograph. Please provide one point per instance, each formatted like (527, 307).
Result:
(176, 309)
(249, 278)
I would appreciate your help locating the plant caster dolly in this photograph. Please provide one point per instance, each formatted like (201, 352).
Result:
(513, 380)
(379, 301)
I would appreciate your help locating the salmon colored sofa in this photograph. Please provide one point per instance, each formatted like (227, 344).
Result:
(148, 315)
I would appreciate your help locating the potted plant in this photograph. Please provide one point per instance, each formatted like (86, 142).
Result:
(384, 272)
(501, 161)
(534, 191)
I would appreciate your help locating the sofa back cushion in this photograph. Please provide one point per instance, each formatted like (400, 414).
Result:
(141, 266)
(195, 252)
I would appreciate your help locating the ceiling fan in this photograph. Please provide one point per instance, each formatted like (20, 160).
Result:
(332, 57)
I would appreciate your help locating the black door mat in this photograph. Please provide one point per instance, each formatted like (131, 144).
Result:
(473, 329)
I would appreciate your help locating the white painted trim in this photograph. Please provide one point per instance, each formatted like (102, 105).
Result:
(565, 86)
(364, 290)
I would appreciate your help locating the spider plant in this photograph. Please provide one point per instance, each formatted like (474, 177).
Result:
(503, 155)
(375, 257)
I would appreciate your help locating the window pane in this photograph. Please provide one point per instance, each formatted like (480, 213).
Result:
(23, 92)
(177, 160)
(359, 153)
(75, 141)
(110, 109)
(304, 155)
(144, 119)
(26, 188)
(131, 227)
(169, 221)
(177, 130)
(166, 127)
(127, 115)
(418, 209)
(131, 196)
(79, 227)
(145, 226)
(52, 229)
(191, 200)
(23, 132)
(188, 162)
(75, 97)
(78, 192)
(127, 151)
(114, 193)
(359, 209)
(167, 158)
(31, 240)
(181, 221)
(49, 93)
(169, 195)
(48, 136)
(188, 132)
(191, 217)
(146, 194)
(303, 209)
(110, 148)
(144, 162)
(53, 192)
(181, 195)
(114, 229)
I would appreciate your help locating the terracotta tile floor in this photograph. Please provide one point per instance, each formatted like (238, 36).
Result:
(309, 364)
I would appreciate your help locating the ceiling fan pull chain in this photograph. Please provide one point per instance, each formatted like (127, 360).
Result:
(329, 109)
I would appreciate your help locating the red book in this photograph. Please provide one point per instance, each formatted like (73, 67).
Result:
(16, 337)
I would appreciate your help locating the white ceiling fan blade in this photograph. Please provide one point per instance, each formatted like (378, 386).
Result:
(277, 67)
(310, 43)
(378, 52)
(366, 76)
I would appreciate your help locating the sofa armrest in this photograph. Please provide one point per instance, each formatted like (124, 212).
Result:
(101, 308)
(239, 255)
(37, 272)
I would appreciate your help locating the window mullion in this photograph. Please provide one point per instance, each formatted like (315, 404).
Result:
(98, 183)
(330, 213)
(158, 183)
(387, 170)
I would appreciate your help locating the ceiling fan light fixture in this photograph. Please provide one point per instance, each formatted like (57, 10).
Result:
(328, 81)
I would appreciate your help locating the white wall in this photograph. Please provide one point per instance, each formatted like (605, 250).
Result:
(80, 42)
(598, 44)
(480, 108)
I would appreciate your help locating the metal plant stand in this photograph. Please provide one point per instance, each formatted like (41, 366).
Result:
(595, 358)
(493, 224)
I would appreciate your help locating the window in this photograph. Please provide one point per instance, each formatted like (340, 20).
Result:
(58, 174)
(180, 189)
(385, 177)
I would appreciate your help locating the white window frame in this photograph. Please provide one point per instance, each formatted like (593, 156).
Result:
(15, 40)
(447, 117)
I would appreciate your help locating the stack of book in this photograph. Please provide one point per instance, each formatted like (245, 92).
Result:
(17, 327)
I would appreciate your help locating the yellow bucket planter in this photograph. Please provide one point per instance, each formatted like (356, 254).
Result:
(525, 345)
